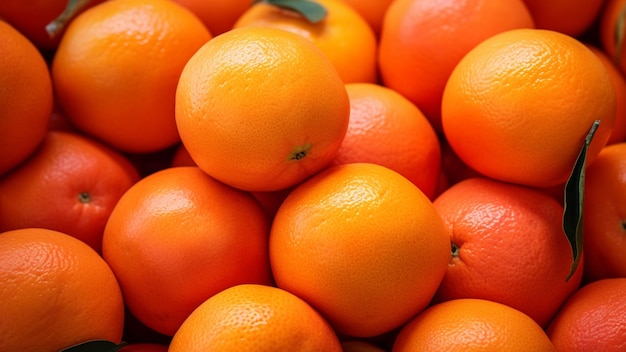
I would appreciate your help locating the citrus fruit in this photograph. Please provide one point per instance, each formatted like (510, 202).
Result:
(116, 70)
(252, 317)
(472, 325)
(372, 11)
(218, 16)
(611, 31)
(361, 244)
(144, 347)
(177, 237)
(359, 346)
(55, 292)
(564, 16)
(513, 108)
(261, 108)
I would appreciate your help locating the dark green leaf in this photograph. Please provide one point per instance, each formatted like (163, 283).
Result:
(73, 7)
(574, 192)
(312, 11)
(95, 346)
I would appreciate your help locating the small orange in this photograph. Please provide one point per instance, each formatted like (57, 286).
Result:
(513, 108)
(373, 11)
(55, 292)
(343, 35)
(592, 319)
(70, 184)
(261, 108)
(573, 19)
(422, 41)
(116, 69)
(508, 246)
(605, 214)
(361, 244)
(177, 237)
(255, 318)
(25, 97)
(387, 129)
(612, 31)
(472, 325)
(218, 16)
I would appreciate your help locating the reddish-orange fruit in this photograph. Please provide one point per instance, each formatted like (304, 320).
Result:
(359, 346)
(605, 214)
(55, 292)
(592, 319)
(255, 318)
(361, 244)
(177, 237)
(218, 16)
(70, 184)
(508, 246)
(612, 30)
(513, 109)
(472, 325)
(387, 129)
(25, 97)
(261, 109)
(373, 11)
(563, 16)
(116, 70)
(422, 41)
(343, 35)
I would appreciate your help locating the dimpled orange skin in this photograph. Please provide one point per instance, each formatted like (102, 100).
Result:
(261, 109)
(362, 245)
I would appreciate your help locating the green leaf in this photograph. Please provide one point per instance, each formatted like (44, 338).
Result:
(95, 346)
(58, 24)
(311, 10)
(574, 200)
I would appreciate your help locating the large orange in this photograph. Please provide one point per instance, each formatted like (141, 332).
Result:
(387, 129)
(343, 35)
(261, 108)
(605, 214)
(508, 246)
(563, 16)
(255, 318)
(373, 11)
(422, 41)
(592, 319)
(70, 184)
(25, 97)
(362, 244)
(218, 16)
(116, 69)
(177, 237)
(514, 110)
(55, 292)
(472, 325)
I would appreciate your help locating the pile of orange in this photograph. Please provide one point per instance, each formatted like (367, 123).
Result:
(313, 175)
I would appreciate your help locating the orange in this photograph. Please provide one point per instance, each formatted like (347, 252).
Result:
(387, 129)
(472, 325)
(343, 35)
(612, 31)
(218, 16)
(619, 85)
(252, 317)
(361, 244)
(508, 246)
(564, 16)
(70, 184)
(372, 11)
(177, 237)
(144, 347)
(514, 110)
(422, 41)
(592, 319)
(55, 292)
(261, 109)
(116, 69)
(25, 97)
(605, 214)
(359, 346)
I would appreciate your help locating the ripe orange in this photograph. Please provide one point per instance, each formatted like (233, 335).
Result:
(611, 32)
(25, 97)
(514, 110)
(261, 108)
(422, 41)
(472, 325)
(605, 214)
(508, 246)
(387, 129)
(592, 319)
(218, 16)
(177, 237)
(255, 318)
(70, 184)
(116, 69)
(55, 292)
(343, 35)
(359, 346)
(563, 16)
(361, 244)
(373, 11)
